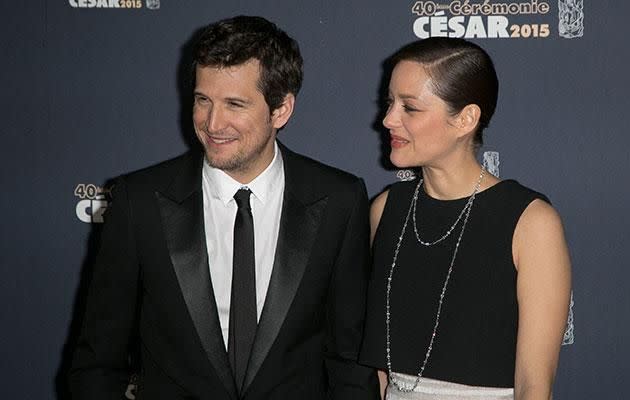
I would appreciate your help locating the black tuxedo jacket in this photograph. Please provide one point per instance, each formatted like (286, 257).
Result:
(151, 278)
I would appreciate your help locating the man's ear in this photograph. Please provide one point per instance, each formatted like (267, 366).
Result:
(468, 119)
(281, 115)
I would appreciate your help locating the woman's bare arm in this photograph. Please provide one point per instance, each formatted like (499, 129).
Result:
(543, 291)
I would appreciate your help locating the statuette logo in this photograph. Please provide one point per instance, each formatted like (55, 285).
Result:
(153, 4)
(569, 337)
(491, 162)
(571, 18)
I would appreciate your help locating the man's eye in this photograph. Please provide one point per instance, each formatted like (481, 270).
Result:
(201, 100)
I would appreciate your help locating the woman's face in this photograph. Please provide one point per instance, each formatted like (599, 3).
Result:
(422, 131)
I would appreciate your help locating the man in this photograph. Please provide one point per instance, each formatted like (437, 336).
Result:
(243, 268)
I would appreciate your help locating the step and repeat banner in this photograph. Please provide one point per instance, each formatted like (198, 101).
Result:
(95, 88)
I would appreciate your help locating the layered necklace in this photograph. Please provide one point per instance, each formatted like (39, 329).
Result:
(412, 211)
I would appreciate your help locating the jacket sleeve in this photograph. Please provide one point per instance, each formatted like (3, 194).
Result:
(99, 368)
(346, 308)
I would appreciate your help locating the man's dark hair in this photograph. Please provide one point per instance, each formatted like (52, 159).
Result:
(235, 41)
(461, 72)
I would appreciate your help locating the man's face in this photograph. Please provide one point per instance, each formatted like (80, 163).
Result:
(232, 120)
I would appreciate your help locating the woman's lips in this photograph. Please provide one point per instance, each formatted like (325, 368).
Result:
(397, 142)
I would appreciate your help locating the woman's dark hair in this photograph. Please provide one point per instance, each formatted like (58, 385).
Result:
(461, 73)
(237, 40)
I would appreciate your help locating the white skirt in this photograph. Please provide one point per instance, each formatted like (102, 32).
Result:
(431, 389)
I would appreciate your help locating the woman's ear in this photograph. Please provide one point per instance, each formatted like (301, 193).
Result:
(468, 119)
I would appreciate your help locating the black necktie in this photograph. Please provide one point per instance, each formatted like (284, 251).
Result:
(242, 328)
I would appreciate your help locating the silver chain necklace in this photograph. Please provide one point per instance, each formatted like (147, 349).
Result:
(412, 207)
(459, 217)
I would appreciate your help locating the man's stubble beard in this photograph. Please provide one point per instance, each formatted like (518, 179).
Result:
(240, 162)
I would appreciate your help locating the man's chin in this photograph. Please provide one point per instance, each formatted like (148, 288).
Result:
(224, 164)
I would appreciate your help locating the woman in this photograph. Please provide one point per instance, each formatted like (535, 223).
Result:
(471, 282)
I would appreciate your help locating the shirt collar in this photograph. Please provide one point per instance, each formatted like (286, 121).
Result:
(222, 186)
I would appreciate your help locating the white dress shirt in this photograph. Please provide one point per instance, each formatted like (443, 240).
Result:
(219, 210)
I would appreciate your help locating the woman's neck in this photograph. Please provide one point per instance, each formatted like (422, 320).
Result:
(455, 180)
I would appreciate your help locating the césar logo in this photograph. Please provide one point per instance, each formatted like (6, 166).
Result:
(93, 202)
(121, 4)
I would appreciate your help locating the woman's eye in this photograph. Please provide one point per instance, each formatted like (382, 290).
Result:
(408, 108)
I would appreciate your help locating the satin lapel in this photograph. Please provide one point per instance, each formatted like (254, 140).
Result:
(299, 224)
(182, 219)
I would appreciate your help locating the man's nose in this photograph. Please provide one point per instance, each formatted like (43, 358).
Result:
(216, 119)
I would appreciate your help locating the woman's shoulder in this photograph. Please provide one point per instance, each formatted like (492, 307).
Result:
(539, 230)
(537, 212)
(512, 194)
(392, 193)
(515, 188)
(378, 205)
(383, 201)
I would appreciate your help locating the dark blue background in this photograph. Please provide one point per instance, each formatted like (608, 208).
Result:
(87, 94)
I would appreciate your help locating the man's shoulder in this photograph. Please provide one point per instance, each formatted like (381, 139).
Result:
(184, 169)
(164, 171)
(316, 170)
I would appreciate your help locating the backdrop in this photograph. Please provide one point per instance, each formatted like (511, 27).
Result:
(91, 89)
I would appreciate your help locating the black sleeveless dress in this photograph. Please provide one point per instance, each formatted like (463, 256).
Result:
(476, 339)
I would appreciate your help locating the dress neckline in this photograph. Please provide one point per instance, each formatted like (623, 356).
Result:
(481, 193)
